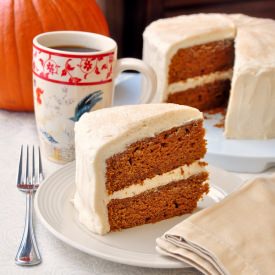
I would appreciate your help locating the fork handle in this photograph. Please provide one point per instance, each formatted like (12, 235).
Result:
(28, 253)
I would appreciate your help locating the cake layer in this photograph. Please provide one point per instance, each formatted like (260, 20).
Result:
(205, 97)
(141, 160)
(180, 173)
(173, 199)
(190, 83)
(201, 60)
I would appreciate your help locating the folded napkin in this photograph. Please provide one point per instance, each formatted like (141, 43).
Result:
(235, 236)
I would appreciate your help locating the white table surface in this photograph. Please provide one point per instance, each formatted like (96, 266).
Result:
(58, 258)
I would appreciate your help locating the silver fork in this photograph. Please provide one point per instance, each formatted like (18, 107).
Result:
(28, 253)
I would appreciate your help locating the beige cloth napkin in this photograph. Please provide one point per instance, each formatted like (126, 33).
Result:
(235, 236)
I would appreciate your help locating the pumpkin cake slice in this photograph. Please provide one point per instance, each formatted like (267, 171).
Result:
(138, 164)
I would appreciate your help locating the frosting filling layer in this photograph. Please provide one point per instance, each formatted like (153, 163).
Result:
(180, 173)
(190, 83)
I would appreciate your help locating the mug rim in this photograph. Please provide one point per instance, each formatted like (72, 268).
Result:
(37, 44)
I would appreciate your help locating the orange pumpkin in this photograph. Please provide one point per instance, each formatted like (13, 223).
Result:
(20, 21)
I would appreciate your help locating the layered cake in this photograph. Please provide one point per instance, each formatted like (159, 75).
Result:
(138, 164)
(215, 60)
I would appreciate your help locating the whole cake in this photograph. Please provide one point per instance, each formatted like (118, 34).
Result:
(138, 164)
(211, 60)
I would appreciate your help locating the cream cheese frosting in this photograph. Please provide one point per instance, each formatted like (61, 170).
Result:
(180, 173)
(191, 83)
(250, 113)
(97, 138)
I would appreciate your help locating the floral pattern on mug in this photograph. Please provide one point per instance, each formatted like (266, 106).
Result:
(73, 70)
(39, 92)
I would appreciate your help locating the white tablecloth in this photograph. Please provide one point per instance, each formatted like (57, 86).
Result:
(58, 258)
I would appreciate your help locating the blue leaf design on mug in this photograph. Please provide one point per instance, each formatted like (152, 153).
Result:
(86, 104)
(49, 137)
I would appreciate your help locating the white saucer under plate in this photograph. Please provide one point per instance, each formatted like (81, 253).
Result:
(135, 246)
(246, 156)
(249, 156)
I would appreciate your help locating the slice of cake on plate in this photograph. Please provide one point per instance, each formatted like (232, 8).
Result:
(138, 164)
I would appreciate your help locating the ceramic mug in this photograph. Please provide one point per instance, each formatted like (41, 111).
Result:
(74, 79)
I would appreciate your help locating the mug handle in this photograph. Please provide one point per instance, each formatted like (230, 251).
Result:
(149, 88)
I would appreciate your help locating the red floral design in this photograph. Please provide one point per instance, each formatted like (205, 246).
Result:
(74, 80)
(39, 92)
(74, 69)
(67, 68)
(104, 67)
(97, 70)
(110, 72)
(87, 64)
(51, 67)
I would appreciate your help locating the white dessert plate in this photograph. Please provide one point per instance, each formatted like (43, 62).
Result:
(135, 246)
(246, 156)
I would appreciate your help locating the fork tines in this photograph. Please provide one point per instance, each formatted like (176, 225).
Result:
(27, 180)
